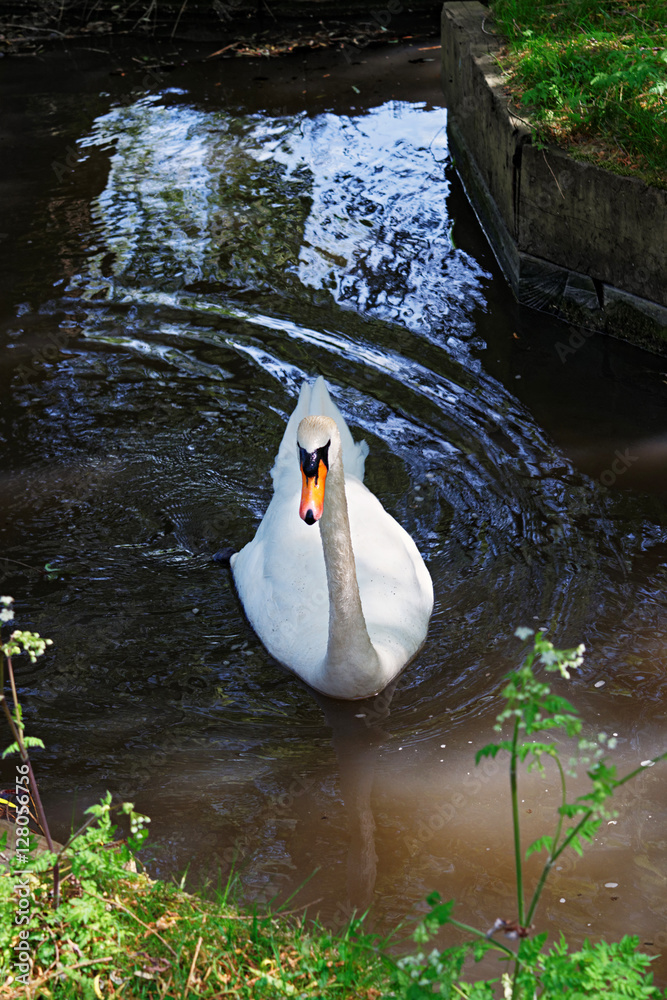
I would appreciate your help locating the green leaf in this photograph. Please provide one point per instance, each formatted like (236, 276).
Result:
(440, 912)
(541, 844)
(491, 749)
(33, 741)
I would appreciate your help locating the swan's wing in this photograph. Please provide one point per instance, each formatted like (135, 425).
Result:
(395, 587)
(314, 400)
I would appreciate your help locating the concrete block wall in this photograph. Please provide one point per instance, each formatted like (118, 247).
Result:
(572, 238)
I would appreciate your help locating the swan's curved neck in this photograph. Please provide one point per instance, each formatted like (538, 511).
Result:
(351, 656)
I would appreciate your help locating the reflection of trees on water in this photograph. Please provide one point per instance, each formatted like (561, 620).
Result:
(354, 208)
(378, 235)
(191, 196)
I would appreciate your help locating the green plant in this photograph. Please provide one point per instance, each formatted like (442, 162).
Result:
(593, 76)
(38, 913)
(83, 931)
(26, 783)
(613, 970)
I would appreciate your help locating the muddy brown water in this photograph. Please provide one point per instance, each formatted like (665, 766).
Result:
(182, 246)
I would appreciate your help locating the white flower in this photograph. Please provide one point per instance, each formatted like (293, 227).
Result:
(6, 615)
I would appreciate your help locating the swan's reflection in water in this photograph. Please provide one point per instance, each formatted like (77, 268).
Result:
(357, 736)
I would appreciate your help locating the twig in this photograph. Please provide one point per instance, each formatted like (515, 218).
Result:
(176, 23)
(520, 119)
(146, 16)
(297, 909)
(220, 51)
(116, 902)
(18, 737)
(553, 175)
(481, 935)
(66, 968)
(31, 27)
(16, 562)
(192, 967)
(644, 23)
(78, 833)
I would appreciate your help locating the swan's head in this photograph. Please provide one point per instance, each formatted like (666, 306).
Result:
(318, 444)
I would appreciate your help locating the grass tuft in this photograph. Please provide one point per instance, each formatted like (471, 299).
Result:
(169, 944)
(593, 75)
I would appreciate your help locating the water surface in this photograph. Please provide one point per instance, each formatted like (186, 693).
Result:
(205, 254)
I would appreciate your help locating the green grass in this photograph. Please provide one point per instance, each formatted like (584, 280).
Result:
(144, 939)
(592, 74)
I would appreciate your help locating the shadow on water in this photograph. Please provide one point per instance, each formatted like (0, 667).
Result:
(227, 254)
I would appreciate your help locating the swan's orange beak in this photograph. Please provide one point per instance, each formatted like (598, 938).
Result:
(312, 493)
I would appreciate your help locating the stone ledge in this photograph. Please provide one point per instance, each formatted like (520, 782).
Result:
(573, 239)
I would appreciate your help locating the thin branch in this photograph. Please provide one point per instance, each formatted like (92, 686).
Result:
(176, 23)
(552, 857)
(481, 935)
(60, 970)
(78, 833)
(640, 769)
(17, 562)
(590, 812)
(116, 902)
(553, 175)
(220, 51)
(193, 966)
(516, 826)
(18, 739)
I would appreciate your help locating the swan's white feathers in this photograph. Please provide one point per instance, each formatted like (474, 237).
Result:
(281, 575)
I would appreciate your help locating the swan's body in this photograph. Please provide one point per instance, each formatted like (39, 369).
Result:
(343, 601)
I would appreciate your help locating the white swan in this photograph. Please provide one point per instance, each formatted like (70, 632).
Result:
(334, 587)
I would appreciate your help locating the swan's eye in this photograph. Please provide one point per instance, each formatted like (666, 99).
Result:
(310, 460)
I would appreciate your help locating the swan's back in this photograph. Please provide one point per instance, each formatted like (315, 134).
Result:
(314, 400)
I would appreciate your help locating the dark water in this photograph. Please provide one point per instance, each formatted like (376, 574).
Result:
(199, 255)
